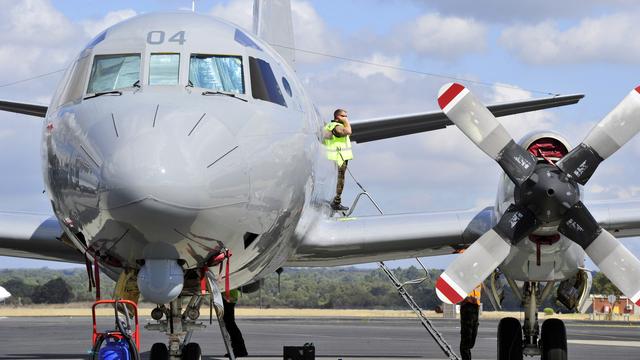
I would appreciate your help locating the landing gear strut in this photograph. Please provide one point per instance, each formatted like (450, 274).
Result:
(179, 327)
(514, 341)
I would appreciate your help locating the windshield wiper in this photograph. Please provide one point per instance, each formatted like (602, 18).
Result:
(112, 92)
(137, 84)
(207, 93)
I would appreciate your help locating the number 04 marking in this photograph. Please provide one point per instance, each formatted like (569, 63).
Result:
(156, 37)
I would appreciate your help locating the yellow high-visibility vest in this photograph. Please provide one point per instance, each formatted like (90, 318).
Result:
(338, 148)
(234, 294)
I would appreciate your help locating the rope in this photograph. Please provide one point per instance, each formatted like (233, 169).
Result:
(444, 76)
(350, 174)
(31, 78)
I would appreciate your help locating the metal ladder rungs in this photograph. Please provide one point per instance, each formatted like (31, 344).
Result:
(435, 334)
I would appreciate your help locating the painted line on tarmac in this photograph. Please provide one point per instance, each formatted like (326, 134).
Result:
(605, 343)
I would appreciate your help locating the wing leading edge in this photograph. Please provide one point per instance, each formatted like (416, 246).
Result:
(392, 126)
(34, 236)
(349, 241)
(24, 108)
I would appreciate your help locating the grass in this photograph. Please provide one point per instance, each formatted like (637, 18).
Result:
(84, 309)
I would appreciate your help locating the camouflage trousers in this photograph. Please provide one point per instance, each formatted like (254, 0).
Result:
(342, 170)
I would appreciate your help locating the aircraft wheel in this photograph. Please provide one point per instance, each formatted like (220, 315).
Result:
(191, 352)
(509, 339)
(159, 351)
(553, 340)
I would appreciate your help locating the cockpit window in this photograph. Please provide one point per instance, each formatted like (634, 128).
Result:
(111, 72)
(217, 72)
(164, 69)
(264, 85)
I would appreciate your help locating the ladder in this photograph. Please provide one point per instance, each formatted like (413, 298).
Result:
(216, 304)
(435, 334)
(400, 287)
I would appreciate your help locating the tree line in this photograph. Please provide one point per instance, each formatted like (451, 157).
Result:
(322, 288)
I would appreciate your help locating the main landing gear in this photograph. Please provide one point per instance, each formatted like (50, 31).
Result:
(514, 341)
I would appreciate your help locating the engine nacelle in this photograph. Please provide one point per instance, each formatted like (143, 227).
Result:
(572, 293)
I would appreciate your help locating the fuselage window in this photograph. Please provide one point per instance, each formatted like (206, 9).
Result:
(286, 86)
(264, 85)
(217, 72)
(111, 72)
(164, 69)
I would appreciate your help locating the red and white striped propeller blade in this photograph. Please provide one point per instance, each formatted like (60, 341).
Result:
(481, 127)
(471, 267)
(617, 263)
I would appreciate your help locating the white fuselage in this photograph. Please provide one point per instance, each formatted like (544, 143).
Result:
(165, 172)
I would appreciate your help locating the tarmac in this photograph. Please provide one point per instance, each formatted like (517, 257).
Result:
(334, 338)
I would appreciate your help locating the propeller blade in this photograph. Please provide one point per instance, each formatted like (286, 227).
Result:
(617, 263)
(479, 125)
(604, 139)
(471, 267)
(613, 258)
(484, 255)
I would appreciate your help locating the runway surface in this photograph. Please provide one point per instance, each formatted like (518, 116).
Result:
(69, 338)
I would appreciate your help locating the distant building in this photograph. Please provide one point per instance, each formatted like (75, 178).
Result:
(621, 306)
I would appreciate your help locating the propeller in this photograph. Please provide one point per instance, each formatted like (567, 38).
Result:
(618, 127)
(480, 259)
(479, 124)
(544, 194)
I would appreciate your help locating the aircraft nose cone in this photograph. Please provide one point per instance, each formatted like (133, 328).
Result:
(196, 170)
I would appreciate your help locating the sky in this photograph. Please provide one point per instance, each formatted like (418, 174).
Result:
(504, 51)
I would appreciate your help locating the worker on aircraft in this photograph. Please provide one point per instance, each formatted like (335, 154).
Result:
(339, 150)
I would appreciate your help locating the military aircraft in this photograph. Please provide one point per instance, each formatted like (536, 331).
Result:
(4, 294)
(176, 142)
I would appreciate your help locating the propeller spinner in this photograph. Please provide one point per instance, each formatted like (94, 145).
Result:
(545, 194)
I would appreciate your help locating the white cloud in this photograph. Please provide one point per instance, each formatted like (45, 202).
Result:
(94, 27)
(239, 12)
(521, 124)
(444, 36)
(525, 10)
(365, 70)
(598, 191)
(309, 29)
(34, 38)
(610, 38)
(33, 22)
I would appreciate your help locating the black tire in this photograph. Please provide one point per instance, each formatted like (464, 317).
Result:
(191, 352)
(553, 340)
(509, 339)
(159, 351)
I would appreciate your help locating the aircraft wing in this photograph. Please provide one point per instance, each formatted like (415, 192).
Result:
(392, 126)
(354, 240)
(23, 108)
(347, 241)
(35, 236)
